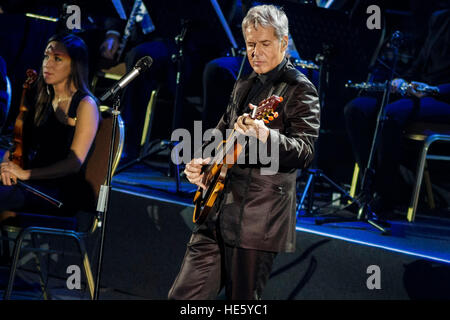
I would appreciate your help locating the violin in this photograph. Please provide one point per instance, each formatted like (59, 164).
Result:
(17, 154)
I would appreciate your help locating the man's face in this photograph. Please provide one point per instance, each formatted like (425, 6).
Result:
(264, 50)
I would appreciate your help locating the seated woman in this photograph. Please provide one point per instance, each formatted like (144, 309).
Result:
(58, 132)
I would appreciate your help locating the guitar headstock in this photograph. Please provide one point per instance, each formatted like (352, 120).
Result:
(31, 78)
(266, 109)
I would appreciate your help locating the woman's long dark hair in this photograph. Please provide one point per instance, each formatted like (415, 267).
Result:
(79, 71)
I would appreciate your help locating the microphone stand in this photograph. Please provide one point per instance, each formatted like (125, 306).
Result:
(178, 58)
(315, 173)
(369, 172)
(105, 191)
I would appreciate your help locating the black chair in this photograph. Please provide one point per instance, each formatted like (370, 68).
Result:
(80, 227)
(427, 134)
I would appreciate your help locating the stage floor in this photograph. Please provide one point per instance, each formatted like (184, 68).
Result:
(428, 237)
(149, 228)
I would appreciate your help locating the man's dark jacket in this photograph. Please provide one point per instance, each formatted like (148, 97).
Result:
(258, 211)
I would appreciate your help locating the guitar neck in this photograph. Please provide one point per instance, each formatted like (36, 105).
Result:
(226, 147)
(264, 111)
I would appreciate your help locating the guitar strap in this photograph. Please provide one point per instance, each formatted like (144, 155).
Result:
(280, 90)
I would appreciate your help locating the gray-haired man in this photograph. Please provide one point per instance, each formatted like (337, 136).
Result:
(255, 217)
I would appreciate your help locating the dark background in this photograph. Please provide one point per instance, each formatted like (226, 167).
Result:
(341, 27)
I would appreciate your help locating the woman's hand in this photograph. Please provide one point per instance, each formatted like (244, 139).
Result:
(416, 89)
(11, 172)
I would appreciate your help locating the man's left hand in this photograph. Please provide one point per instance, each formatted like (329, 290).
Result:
(252, 127)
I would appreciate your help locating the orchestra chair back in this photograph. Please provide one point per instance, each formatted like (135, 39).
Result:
(105, 78)
(9, 93)
(113, 74)
(79, 228)
(427, 134)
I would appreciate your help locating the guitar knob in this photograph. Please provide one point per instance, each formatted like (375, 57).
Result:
(270, 118)
(266, 121)
(275, 114)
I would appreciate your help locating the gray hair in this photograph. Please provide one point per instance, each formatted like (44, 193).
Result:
(267, 16)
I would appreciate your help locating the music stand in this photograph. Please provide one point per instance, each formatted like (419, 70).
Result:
(333, 40)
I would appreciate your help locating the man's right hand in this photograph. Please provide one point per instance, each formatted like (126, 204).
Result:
(194, 173)
(109, 47)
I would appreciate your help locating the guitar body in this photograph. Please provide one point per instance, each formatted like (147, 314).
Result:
(214, 180)
(205, 199)
(215, 173)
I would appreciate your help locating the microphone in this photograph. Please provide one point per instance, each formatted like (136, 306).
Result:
(142, 65)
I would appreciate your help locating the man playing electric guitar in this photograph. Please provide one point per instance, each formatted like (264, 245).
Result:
(254, 217)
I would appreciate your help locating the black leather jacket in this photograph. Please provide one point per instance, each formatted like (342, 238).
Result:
(258, 211)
